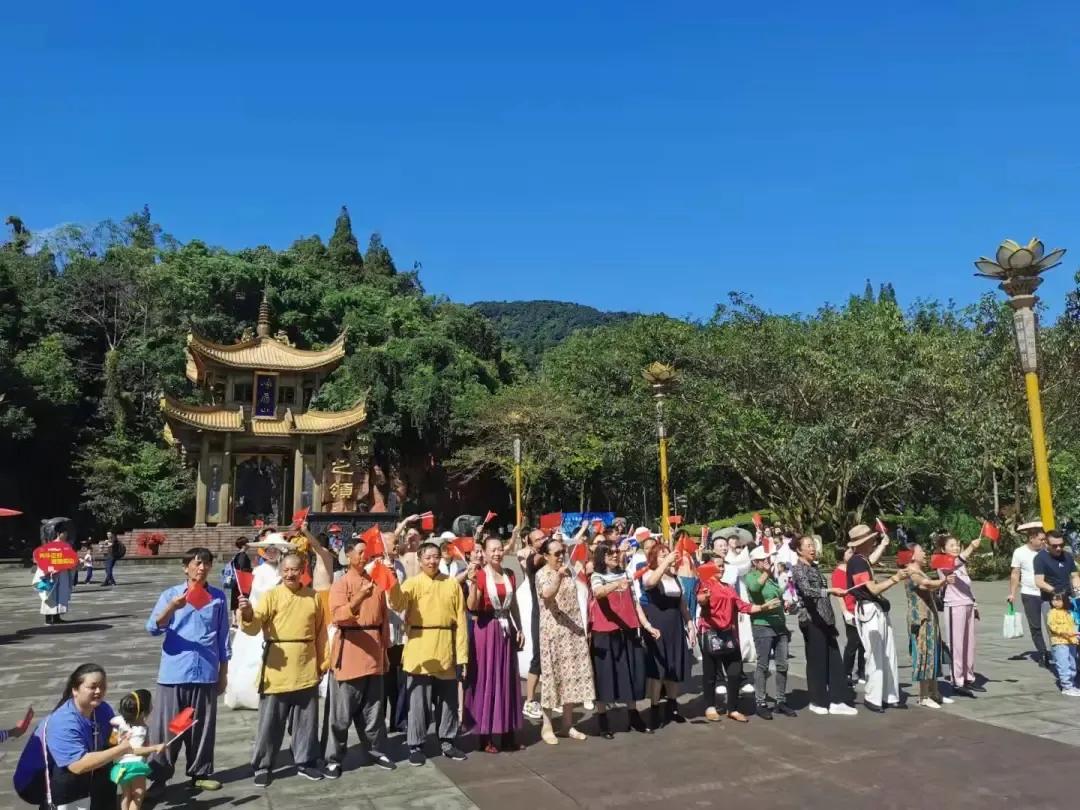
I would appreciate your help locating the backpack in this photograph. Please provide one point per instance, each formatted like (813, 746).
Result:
(119, 550)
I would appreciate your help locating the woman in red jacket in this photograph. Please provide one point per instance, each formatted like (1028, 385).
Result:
(718, 635)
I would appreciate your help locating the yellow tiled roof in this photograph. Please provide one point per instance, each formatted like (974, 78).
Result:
(330, 422)
(221, 419)
(266, 354)
(204, 417)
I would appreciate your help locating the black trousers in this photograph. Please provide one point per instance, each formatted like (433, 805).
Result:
(67, 788)
(853, 650)
(826, 678)
(727, 664)
(1033, 611)
(393, 681)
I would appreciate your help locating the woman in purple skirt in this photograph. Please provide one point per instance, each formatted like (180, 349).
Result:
(492, 687)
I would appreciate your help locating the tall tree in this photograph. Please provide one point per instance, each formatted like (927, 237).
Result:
(343, 248)
(377, 260)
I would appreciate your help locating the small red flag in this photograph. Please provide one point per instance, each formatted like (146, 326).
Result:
(708, 570)
(903, 557)
(305, 577)
(373, 542)
(674, 520)
(579, 553)
(686, 546)
(757, 519)
(244, 581)
(990, 531)
(943, 562)
(427, 522)
(881, 527)
(464, 546)
(258, 524)
(490, 517)
(552, 520)
(861, 578)
(300, 516)
(183, 720)
(382, 576)
(598, 526)
(197, 596)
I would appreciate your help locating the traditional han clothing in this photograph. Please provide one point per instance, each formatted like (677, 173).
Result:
(54, 590)
(492, 687)
(435, 644)
(294, 659)
(358, 662)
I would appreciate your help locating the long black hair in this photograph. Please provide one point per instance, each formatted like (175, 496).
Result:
(75, 680)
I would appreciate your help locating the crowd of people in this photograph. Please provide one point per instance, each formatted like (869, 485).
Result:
(402, 632)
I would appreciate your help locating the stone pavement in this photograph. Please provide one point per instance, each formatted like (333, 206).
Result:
(970, 754)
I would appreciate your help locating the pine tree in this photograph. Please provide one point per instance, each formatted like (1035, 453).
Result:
(887, 295)
(377, 260)
(343, 247)
(868, 295)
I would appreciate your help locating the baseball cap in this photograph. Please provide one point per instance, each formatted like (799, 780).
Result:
(759, 553)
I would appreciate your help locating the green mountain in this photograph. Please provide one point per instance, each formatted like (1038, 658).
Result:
(533, 327)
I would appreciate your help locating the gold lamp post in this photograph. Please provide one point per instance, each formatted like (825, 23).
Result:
(662, 378)
(516, 419)
(1017, 268)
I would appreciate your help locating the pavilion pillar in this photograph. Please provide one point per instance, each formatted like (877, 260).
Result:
(225, 498)
(316, 490)
(202, 479)
(298, 473)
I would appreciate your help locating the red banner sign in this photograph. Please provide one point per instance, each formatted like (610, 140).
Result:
(56, 556)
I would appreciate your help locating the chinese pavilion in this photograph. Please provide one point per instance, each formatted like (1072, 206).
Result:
(262, 452)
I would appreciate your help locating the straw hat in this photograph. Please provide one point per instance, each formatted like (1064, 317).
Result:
(860, 534)
(1030, 526)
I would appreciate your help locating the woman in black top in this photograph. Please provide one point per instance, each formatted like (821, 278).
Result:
(240, 562)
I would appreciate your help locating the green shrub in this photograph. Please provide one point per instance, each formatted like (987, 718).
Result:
(989, 567)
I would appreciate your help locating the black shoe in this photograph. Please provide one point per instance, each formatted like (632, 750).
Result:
(673, 712)
(764, 712)
(637, 722)
(450, 751)
(787, 711)
(605, 727)
(314, 774)
(332, 771)
(382, 761)
(50, 619)
(973, 688)
(263, 779)
(901, 704)
(416, 757)
(963, 691)
(873, 707)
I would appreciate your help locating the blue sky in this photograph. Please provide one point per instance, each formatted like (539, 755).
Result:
(620, 154)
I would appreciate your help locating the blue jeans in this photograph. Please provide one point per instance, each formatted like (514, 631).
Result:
(1065, 662)
(109, 565)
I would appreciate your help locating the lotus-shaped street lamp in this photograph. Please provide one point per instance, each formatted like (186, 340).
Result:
(1018, 268)
(660, 376)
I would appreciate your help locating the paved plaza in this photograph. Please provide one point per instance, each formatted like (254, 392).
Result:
(1004, 747)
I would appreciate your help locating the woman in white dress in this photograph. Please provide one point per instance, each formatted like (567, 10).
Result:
(242, 691)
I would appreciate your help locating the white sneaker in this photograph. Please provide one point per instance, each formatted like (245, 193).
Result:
(721, 689)
(587, 705)
(841, 708)
(532, 710)
(862, 681)
(1072, 691)
(945, 701)
(747, 689)
(817, 709)
(929, 703)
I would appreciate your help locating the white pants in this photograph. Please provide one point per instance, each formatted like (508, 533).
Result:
(875, 632)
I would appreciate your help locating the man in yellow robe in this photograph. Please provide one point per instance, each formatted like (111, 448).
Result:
(436, 644)
(294, 660)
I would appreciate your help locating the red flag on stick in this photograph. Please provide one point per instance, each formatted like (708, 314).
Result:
(757, 519)
(244, 581)
(686, 546)
(382, 576)
(707, 570)
(373, 542)
(197, 596)
(552, 520)
(462, 547)
(579, 553)
(427, 522)
(903, 557)
(490, 517)
(943, 562)
(300, 516)
(24, 724)
(990, 531)
(305, 578)
(183, 720)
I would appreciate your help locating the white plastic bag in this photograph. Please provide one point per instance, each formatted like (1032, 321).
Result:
(1012, 626)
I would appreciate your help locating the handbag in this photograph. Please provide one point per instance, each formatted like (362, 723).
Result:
(720, 641)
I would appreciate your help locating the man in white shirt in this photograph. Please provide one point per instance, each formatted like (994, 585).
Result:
(1023, 577)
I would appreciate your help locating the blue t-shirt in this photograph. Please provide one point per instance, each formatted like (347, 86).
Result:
(1056, 570)
(72, 736)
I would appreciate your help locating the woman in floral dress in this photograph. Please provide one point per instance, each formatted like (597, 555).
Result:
(925, 629)
(566, 675)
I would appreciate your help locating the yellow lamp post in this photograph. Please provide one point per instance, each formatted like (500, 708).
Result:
(1018, 268)
(662, 378)
(516, 419)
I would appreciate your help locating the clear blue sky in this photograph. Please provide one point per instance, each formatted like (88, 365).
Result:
(619, 154)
